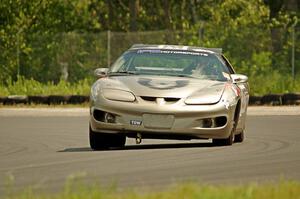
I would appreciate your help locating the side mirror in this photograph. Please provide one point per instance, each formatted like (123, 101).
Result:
(101, 72)
(237, 78)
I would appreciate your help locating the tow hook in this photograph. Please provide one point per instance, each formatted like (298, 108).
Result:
(138, 139)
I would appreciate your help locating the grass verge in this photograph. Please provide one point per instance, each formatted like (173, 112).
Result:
(280, 190)
(82, 105)
(260, 84)
(25, 86)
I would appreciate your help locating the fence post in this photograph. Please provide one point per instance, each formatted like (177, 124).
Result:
(293, 52)
(201, 34)
(108, 48)
(293, 48)
(18, 54)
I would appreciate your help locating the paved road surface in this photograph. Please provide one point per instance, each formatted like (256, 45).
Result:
(43, 151)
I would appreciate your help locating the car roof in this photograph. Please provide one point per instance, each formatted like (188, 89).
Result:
(176, 47)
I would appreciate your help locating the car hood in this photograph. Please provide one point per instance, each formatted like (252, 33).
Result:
(204, 91)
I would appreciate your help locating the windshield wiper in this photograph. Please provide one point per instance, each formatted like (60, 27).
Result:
(122, 73)
(180, 75)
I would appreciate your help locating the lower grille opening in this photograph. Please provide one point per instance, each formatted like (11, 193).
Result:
(147, 98)
(99, 115)
(220, 121)
(213, 122)
(102, 116)
(171, 99)
(153, 99)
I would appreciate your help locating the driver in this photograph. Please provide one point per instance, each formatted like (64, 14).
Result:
(197, 68)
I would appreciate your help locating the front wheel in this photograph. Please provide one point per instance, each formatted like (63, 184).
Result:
(239, 137)
(224, 142)
(227, 141)
(100, 141)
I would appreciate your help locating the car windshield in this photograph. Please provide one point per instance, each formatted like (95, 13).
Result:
(180, 63)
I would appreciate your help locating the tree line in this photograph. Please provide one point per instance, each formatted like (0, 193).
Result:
(254, 33)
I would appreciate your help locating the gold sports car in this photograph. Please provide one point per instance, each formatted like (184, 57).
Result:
(168, 92)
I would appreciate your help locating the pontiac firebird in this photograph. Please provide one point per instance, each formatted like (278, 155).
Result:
(168, 92)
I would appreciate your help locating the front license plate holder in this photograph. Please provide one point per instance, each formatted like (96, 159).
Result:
(158, 121)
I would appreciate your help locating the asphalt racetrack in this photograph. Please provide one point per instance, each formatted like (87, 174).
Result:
(43, 148)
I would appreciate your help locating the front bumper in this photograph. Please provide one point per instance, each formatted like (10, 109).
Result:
(184, 119)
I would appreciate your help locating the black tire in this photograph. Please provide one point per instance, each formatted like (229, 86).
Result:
(239, 137)
(227, 141)
(224, 142)
(100, 141)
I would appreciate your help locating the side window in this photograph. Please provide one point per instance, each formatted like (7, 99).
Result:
(228, 64)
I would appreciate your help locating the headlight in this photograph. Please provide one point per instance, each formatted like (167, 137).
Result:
(206, 96)
(118, 95)
(204, 99)
(95, 90)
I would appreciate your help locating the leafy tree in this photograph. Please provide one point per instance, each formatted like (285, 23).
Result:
(44, 38)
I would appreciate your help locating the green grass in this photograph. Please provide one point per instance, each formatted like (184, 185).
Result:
(280, 190)
(82, 105)
(32, 87)
(274, 82)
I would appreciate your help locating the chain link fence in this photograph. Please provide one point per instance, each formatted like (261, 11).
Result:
(74, 56)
